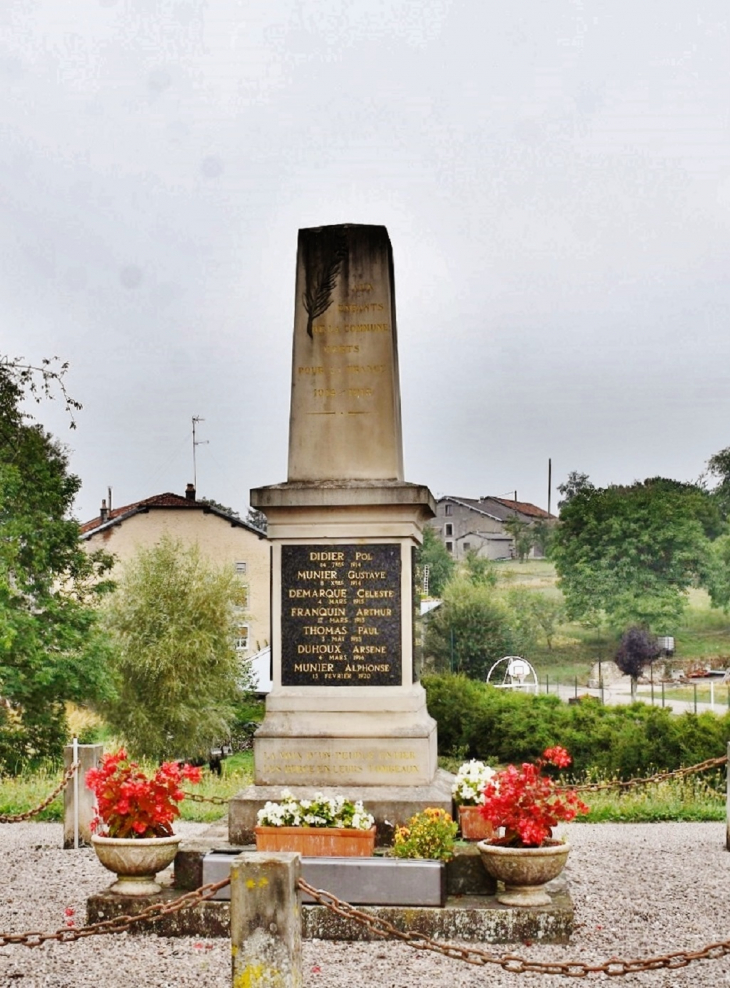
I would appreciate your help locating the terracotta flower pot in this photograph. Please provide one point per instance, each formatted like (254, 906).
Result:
(317, 842)
(524, 870)
(135, 861)
(473, 825)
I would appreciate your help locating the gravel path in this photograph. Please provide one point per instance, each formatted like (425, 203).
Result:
(639, 890)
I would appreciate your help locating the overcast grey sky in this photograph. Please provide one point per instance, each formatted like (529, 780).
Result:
(554, 176)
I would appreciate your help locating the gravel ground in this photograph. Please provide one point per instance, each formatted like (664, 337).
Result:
(640, 890)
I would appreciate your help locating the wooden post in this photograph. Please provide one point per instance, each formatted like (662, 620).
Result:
(89, 757)
(266, 921)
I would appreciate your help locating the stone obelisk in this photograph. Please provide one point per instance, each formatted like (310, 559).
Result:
(346, 710)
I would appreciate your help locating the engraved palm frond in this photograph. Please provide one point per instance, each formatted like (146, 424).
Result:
(321, 282)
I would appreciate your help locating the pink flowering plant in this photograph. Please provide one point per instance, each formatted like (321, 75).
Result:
(132, 804)
(527, 803)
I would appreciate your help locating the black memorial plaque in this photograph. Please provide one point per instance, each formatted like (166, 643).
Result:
(341, 615)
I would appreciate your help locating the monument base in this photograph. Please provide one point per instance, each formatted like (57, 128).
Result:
(392, 806)
(367, 737)
(471, 912)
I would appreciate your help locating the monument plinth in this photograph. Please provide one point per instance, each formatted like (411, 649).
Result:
(346, 710)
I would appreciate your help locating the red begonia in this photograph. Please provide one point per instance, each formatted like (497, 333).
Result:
(528, 804)
(131, 804)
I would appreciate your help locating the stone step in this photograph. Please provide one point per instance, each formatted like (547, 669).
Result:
(470, 919)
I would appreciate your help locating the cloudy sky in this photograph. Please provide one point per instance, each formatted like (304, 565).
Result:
(554, 176)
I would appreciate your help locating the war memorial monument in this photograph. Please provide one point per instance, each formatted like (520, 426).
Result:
(346, 712)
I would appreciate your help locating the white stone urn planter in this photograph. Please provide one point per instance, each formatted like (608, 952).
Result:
(135, 861)
(524, 870)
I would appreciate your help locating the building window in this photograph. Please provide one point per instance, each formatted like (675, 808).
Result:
(466, 546)
(243, 601)
(449, 546)
(240, 642)
(241, 568)
(449, 530)
(447, 509)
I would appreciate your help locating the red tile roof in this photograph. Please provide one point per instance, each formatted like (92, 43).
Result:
(166, 500)
(524, 507)
(498, 506)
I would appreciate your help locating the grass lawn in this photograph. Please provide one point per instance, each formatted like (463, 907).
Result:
(21, 793)
(697, 797)
(702, 638)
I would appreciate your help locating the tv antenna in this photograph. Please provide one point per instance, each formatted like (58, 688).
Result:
(196, 443)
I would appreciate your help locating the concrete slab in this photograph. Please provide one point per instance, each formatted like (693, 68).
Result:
(471, 919)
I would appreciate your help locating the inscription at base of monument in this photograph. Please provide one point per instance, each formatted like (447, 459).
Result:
(344, 761)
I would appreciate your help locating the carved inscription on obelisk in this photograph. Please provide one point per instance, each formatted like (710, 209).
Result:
(345, 409)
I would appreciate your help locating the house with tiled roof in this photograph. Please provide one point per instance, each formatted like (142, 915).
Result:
(467, 524)
(223, 538)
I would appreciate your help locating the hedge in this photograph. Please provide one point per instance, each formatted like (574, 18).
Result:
(501, 726)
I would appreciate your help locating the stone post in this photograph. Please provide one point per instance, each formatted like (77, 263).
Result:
(266, 921)
(727, 801)
(89, 757)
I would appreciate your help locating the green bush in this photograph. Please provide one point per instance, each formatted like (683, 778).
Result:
(499, 726)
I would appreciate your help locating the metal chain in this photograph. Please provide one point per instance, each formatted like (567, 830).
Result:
(19, 817)
(197, 798)
(588, 787)
(659, 777)
(510, 962)
(119, 924)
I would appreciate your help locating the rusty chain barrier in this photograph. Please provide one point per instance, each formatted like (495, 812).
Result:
(709, 763)
(120, 924)
(68, 774)
(197, 798)
(512, 963)
(705, 766)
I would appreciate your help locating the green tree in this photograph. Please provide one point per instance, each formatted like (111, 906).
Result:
(434, 554)
(542, 534)
(471, 629)
(172, 622)
(716, 576)
(258, 519)
(537, 614)
(523, 536)
(575, 483)
(51, 650)
(479, 569)
(718, 466)
(631, 553)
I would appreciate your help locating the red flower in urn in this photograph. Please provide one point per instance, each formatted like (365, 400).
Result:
(528, 804)
(132, 804)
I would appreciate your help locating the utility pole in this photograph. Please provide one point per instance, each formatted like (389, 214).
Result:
(196, 443)
(550, 480)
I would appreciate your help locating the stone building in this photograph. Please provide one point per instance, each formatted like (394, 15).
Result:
(223, 539)
(478, 524)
